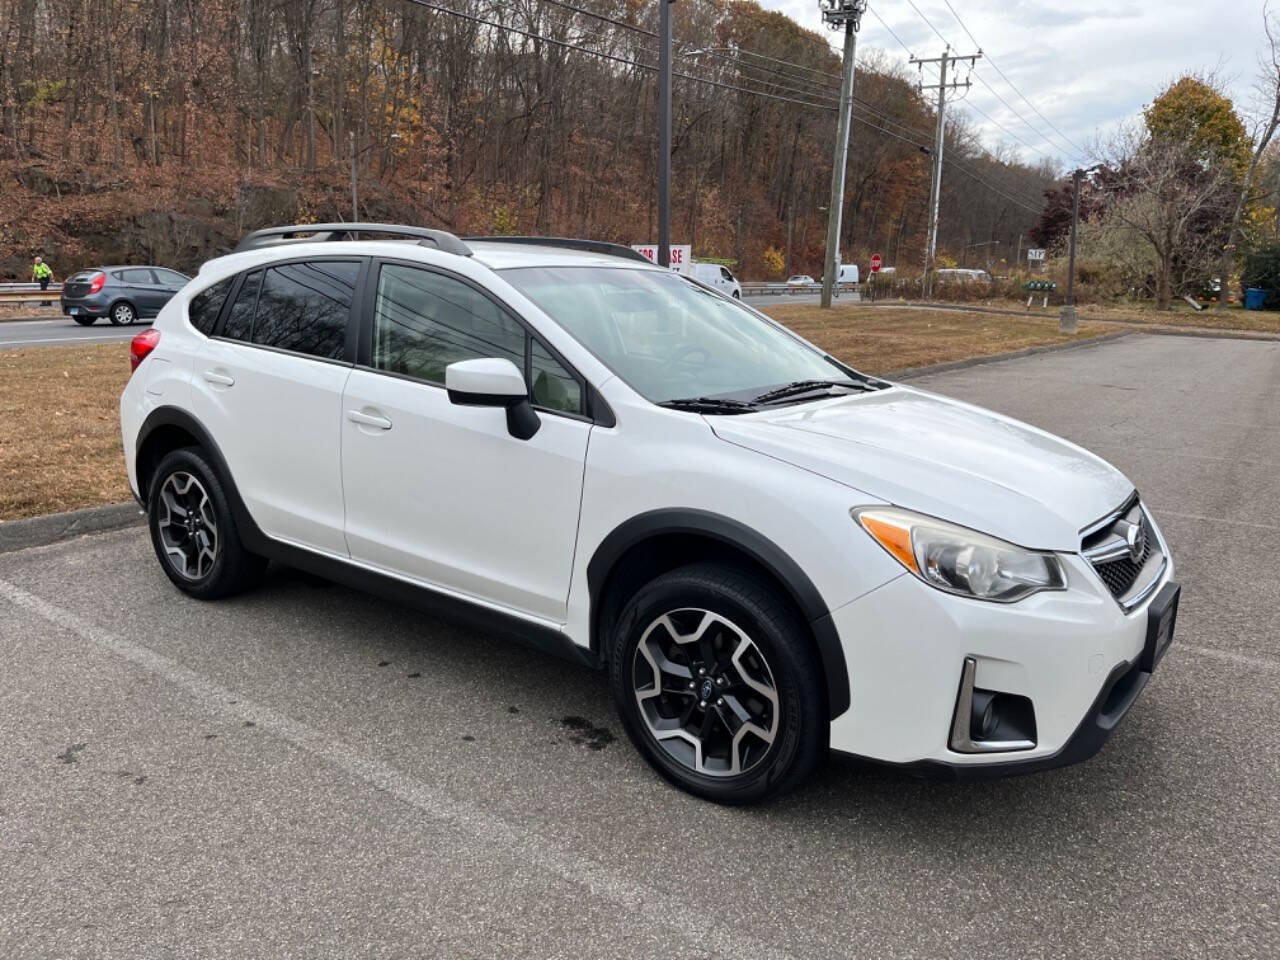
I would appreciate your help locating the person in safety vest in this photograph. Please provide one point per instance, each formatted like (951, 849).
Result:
(41, 274)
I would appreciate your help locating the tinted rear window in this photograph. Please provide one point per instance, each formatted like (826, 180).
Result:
(205, 306)
(304, 307)
(240, 319)
(135, 276)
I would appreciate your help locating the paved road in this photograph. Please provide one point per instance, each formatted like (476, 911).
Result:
(62, 331)
(305, 771)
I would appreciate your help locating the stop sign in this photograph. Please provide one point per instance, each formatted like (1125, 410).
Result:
(875, 263)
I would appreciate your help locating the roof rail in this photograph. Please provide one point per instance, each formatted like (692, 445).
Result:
(320, 232)
(588, 246)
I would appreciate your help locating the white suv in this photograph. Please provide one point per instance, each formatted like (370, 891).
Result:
(771, 553)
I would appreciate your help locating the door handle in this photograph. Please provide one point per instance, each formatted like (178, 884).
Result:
(221, 379)
(368, 420)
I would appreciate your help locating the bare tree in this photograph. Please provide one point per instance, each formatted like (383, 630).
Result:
(1172, 198)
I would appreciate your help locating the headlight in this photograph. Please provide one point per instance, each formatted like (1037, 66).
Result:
(959, 560)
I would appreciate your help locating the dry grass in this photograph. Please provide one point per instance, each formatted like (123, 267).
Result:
(23, 311)
(60, 428)
(884, 339)
(59, 406)
(1235, 317)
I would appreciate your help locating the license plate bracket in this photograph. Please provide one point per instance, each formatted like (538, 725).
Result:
(1162, 616)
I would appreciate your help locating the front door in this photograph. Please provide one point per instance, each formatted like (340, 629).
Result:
(442, 493)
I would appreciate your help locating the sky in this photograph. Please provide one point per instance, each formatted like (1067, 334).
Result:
(1086, 65)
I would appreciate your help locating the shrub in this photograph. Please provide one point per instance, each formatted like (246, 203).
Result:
(774, 263)
(1261, 268)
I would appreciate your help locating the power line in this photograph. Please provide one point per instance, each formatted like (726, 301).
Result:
(929, 22)
(891, 33)
(997, 69)
(1009, 107)
(602, 17)
(997, 123)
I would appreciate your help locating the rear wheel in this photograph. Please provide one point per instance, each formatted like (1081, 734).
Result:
(123, 314)
(193, 531)
(84, 321)
(717, 684)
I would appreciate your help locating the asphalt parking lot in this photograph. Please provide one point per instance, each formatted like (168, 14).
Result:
(306, 771)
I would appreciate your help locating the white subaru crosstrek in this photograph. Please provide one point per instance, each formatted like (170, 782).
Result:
(771, 553)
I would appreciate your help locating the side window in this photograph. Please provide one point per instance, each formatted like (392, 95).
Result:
(553, 386)
(171, 278)
(137, 275)
(424, 321)
(204, 307)
(304, 307)
(240, 320)
(726, 275)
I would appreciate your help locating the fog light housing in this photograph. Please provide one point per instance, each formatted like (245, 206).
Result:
(988, 721)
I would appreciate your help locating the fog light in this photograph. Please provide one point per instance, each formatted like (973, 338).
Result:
(988, 721)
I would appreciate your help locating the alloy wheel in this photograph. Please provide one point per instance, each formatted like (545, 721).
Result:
(123, 314)
(705, 692)
(188, 526)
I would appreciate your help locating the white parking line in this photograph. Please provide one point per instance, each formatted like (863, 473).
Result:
(19, 343)
(490, 831)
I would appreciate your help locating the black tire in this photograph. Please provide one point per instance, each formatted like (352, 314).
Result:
(736, 295)
(800, 736)
(122, 314)
(232, 568)
(84, 321)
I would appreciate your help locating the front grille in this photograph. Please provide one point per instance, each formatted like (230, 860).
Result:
(1106, 547)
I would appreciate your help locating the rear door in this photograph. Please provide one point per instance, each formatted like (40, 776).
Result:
(268, 387)
(143, 290)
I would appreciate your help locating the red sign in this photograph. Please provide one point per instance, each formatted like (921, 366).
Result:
(875, 263)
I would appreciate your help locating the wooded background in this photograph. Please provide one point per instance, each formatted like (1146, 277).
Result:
(165, 129)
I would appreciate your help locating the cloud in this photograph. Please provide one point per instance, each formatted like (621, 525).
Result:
(1087, 67)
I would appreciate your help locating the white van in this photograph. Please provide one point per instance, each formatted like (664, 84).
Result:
(848, 273)
(714, 275)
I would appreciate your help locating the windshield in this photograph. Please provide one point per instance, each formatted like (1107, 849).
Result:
(669, 338)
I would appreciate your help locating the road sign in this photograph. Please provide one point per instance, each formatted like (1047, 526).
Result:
(1036, 253)
(681, 256)
(875, 263)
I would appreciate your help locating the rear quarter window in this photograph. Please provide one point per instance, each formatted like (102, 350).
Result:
(207, 304)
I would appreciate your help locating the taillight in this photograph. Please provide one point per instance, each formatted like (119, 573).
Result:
(142, 345)
(96, 284)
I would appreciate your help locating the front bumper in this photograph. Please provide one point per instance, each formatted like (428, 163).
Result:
(1074, 654)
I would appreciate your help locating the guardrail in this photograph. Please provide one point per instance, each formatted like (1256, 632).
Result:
(28, 292)
(788, 289)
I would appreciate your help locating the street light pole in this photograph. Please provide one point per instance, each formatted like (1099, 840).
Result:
(664, 133)
(355, 206)
(838, 14)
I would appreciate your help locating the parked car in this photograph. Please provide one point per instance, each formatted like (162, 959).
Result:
(800, 280)
(716, 276)
(769, 552)
(121, 294)
(962, 276)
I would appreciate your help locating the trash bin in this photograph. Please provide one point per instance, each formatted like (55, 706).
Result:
(1254, 297)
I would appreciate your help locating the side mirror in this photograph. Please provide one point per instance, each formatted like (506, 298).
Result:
(493, 382)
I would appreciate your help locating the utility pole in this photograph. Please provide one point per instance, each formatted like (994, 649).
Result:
(838, 14)
(935, 186)
(664, 133)
(1067, 323)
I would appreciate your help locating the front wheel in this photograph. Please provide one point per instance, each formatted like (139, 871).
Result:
(736, 295)
(193, 531)
(123, 314)
(717, 684)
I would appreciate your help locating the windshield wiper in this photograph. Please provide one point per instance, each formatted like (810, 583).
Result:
(800, 387)
(709, 405)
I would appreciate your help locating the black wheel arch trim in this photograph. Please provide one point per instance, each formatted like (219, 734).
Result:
(423, 598)
(754, 545)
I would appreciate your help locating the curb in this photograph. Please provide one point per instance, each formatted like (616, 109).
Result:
(912, 372)
(55, 527)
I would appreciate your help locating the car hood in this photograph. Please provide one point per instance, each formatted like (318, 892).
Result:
(943, 458)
